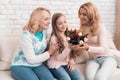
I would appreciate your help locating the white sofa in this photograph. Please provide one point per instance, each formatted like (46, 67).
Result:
(8, 44)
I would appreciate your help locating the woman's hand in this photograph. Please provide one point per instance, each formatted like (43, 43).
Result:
(53, 48)
(83, 47)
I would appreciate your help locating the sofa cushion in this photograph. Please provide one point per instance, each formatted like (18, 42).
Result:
(115, 75)
(5, 75)
(7, 47)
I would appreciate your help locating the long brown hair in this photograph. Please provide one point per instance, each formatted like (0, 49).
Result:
(35, 18)
(93, 16)
(55, 17)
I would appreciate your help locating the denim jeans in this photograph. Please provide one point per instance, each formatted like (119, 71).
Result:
(63, 73)
(35, 73)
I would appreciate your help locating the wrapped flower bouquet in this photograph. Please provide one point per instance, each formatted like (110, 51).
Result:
(75, 37)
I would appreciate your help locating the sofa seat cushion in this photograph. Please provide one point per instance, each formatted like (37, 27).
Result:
(115, 75)
(5, 75)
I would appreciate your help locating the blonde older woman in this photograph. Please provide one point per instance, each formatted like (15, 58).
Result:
(30, 54)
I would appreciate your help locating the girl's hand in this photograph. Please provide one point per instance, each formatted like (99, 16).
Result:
(77, 53)
(83, 47)
(53, 48)
(71, 67)
(73, 47)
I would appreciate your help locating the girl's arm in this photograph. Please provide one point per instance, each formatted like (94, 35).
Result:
(71, 64)
(72, 61)
(64, 54)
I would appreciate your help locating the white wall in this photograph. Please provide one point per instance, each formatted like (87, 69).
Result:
(15, 13)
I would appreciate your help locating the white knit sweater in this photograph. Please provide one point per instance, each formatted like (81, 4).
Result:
(98, 45)
(30, 51)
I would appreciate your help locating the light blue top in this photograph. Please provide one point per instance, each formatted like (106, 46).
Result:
(39, 35)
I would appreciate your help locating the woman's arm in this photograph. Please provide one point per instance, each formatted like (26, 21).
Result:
(28, 50)
(102, 47)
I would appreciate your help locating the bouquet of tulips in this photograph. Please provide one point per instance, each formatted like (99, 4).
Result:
(75, 37)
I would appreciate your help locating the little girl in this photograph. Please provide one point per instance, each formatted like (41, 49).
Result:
(61, 64)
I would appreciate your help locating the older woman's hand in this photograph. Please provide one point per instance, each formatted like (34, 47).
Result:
(53, 48)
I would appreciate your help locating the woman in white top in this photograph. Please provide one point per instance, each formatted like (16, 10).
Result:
(101, 61)
(30, 54)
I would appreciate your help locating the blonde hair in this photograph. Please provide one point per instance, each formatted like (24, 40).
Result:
(93, 16)
(35, 18)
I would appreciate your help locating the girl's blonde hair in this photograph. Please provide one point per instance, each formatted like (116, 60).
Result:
(35, 18)
(93, 16)
(55, 17)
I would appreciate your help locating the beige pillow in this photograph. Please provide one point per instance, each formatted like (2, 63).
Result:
(7, 47)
